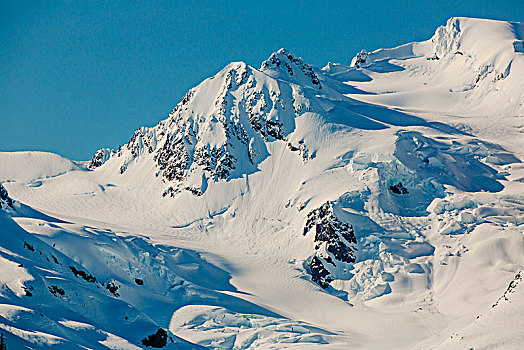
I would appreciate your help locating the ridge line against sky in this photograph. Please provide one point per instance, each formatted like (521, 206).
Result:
(79, 75)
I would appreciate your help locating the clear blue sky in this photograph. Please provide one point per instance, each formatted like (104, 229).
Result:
(79, 75)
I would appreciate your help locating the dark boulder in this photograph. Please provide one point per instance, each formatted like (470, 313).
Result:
(157, 340)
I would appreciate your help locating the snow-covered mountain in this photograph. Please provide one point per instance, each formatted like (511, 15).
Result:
(372, 205)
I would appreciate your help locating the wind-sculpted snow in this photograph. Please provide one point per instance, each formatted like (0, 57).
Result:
(373, 206)
(33, 166)
(497, 327)
(122, 281)
(55, 299)
(219, 328)
(454, 164)
(477, 61)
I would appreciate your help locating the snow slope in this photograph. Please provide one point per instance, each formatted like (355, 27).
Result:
(32, 166)
(378, 205)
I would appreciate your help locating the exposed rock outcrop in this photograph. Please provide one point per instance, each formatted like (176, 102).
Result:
(360, 60)
(100, 157)
(335, 242)
(5, 200)
(226, 136)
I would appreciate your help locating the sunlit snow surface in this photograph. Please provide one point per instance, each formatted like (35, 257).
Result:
(196, 226)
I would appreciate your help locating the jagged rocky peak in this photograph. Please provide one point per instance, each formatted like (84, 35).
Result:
(220, 128)
(283, 64)
(100, 157)
(335, 243)
(5, 200)
(360, 60)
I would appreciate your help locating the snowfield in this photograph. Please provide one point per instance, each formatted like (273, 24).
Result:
(375, 205)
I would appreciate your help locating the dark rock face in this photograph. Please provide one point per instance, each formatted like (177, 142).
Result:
(335, 242)
(28, 291)
(157, 340)
(55, 290)
(83, 274)
(29, 246)
(173, 159)
(519, 277)
(99, 158)
(338, 236)
(398, 189)
(5, 200)
(292, 65)
(141, 140)
(319, 274)
(216, 161)
(112, 288)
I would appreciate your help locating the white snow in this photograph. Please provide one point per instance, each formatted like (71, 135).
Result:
(420, 150)
(114, 342)
(13, 277)
(32, 166)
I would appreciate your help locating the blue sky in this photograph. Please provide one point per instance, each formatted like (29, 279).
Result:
(79, 75)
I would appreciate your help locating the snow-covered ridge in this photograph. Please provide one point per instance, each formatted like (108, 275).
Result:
(482, 38)
(220, 128)
(492, 48)
(473, 64)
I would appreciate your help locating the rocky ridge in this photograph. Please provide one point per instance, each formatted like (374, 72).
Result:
(228, 139)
